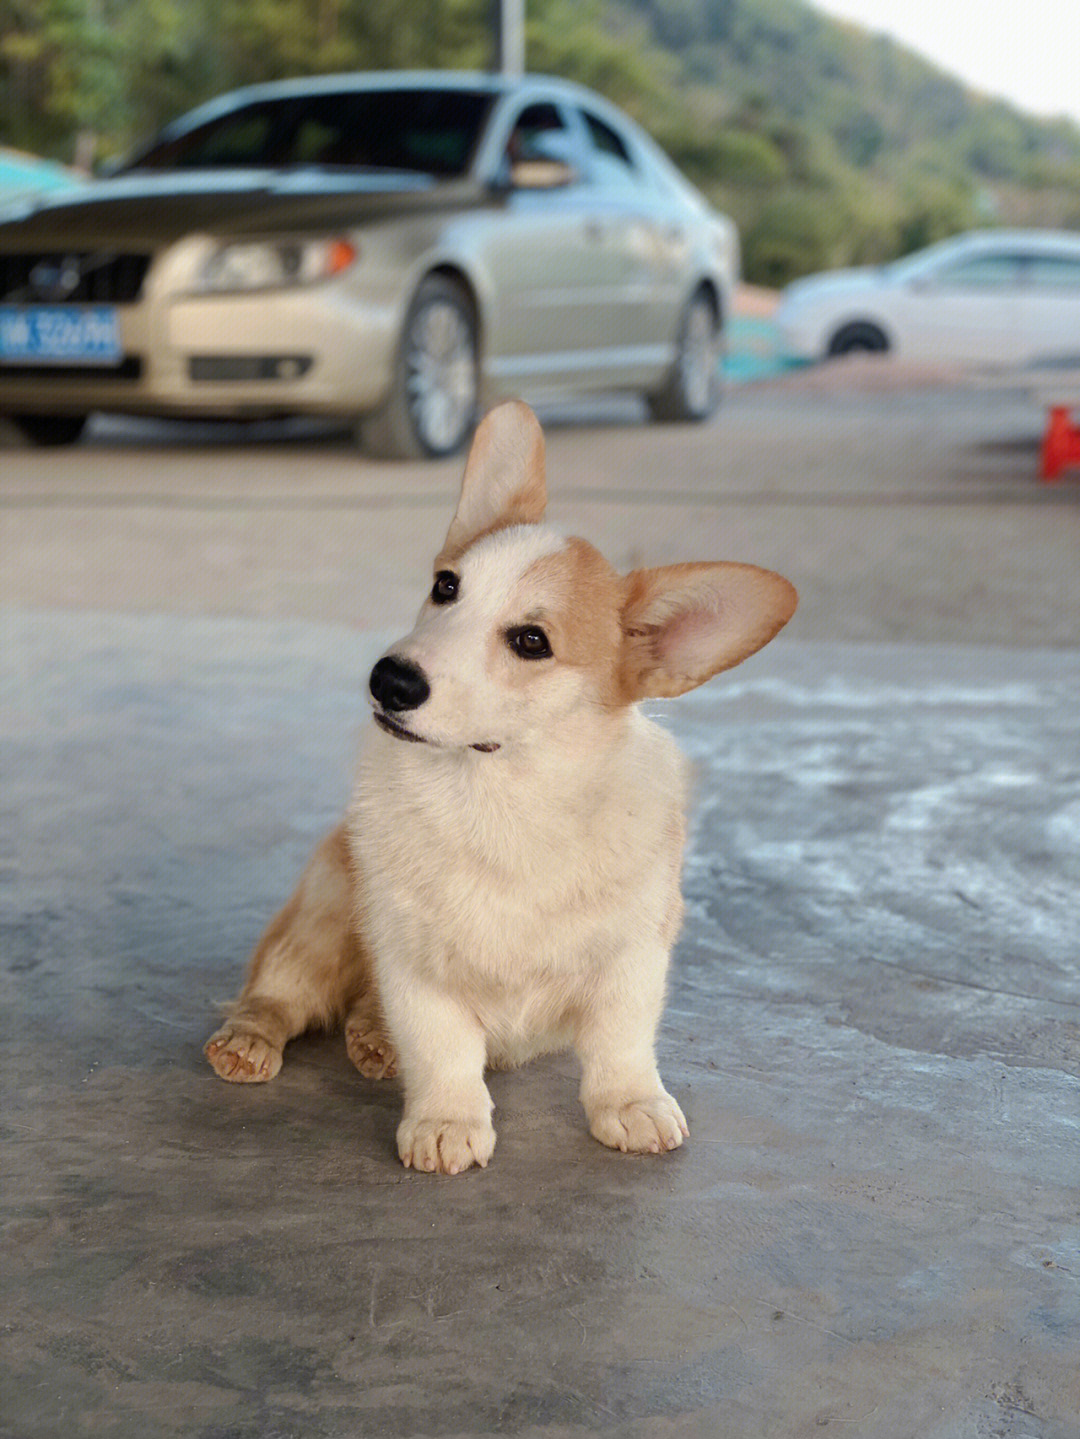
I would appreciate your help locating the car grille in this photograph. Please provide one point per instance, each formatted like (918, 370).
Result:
(72, 278)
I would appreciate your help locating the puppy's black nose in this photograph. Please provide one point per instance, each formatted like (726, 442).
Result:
(398, 685)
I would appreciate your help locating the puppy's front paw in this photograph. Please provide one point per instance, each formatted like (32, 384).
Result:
(242, 1055)
(640, 1126)
(445, 1146)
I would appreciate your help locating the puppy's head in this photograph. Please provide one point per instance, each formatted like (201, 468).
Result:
(524, 628)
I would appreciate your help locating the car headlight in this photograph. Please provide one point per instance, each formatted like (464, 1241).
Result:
(273, 264)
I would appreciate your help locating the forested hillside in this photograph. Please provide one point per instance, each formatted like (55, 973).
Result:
(827, 144)
(831, 145)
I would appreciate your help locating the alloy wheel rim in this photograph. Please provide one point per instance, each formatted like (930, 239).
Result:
(700, 357)
(440, 375)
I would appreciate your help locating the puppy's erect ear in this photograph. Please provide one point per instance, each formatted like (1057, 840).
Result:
(682, 624)
(504, 478)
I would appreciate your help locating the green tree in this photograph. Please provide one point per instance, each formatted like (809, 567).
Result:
(794, 232)
(828, 145)
(571, 38)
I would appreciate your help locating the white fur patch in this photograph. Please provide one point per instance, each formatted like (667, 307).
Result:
(460, 646)
(502, 558)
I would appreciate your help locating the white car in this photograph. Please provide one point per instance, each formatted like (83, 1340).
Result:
(989, 298)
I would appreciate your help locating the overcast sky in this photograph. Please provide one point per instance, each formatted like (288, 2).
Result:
(1028, 53)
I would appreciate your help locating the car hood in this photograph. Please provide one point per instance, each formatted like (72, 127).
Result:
(836, 282)
(149, 210)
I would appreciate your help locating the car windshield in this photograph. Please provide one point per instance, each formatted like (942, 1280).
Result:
(434, 132)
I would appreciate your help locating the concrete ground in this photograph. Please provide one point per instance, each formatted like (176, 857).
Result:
(874, 1024)
(901, 511)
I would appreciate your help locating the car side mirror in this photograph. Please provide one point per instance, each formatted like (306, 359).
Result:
(542, 175)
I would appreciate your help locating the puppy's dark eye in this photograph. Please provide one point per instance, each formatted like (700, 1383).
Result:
(445, 588)
(530, 642)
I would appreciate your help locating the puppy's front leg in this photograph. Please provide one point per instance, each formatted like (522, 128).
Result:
(627, 1106)
(446, 1127)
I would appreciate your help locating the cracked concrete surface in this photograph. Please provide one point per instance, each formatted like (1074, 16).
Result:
(874, 1028)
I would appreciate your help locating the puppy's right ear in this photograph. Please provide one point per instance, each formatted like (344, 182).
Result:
(504, 479)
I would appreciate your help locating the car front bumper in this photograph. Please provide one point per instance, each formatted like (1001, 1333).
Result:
(318, 349)
(800, 334)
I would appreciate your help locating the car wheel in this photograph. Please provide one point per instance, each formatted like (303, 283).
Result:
(692, 388)
(862, 336)
(50, 429)
(431, 408)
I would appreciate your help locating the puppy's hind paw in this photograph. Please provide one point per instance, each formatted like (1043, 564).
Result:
(372, 1053)
(640, 1126)
(242, 1056)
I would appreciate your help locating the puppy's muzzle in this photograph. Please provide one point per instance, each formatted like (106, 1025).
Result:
(397, 685)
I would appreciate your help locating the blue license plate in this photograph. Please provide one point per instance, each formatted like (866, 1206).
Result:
(59, 334)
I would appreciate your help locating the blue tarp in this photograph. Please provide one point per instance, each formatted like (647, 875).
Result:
(753, 350)
(22, 174)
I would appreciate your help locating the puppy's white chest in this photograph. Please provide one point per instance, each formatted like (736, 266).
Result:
(496, 890)
(509, 891)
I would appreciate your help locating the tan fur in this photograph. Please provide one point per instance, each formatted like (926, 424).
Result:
(309, 970)
(508, 882)
(504, 482)
(585, 623)
(664, 605)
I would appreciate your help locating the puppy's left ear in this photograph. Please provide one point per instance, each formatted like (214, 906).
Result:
(682, 624)
(504, 478)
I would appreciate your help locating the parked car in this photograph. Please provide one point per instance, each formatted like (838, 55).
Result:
(400, 248)
(989, 298)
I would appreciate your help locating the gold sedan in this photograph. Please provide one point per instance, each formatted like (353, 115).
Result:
(400, 249)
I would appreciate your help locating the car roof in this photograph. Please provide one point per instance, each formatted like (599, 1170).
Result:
(1036, 239)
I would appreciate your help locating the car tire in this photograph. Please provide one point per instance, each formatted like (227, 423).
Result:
(50, 430)
(858, 337)
(431, 409)
(691, 391)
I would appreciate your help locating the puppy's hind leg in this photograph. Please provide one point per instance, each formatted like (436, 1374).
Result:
(304, 970)
(366, 1039)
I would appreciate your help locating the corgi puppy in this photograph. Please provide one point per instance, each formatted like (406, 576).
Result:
(506, 880)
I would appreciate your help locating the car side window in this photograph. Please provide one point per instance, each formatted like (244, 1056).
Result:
(610, 161)
(980, 272)
(1057, 272)
(539, 133)
(607, 141)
